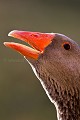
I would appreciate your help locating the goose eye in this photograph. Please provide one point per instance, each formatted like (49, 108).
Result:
(66, 46)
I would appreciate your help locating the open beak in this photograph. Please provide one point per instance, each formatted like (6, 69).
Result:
(38, 41)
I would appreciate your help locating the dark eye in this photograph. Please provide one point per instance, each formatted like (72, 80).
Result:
(66, 46)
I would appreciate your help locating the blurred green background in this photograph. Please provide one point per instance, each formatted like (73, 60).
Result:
(21, 94)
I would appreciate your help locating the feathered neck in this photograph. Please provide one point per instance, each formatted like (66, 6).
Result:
(67, 102)
(67, 105)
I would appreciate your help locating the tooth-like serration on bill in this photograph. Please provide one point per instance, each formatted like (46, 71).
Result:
(23, 49)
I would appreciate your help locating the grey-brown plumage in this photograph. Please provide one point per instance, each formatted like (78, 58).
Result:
(56, 63)
(59, 70)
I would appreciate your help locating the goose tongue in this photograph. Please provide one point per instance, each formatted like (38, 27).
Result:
(36, 39)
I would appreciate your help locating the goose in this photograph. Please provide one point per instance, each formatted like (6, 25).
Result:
(55, 60)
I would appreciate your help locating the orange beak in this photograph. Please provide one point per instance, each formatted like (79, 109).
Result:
(39, 41)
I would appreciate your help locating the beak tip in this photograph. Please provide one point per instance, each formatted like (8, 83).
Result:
(6, 44)
(11, 34)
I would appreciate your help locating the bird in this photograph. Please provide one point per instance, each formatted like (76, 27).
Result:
(55, 60)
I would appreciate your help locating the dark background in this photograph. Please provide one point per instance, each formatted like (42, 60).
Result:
(21, 95)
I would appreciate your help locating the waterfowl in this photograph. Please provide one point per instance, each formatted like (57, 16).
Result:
(55, 60)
